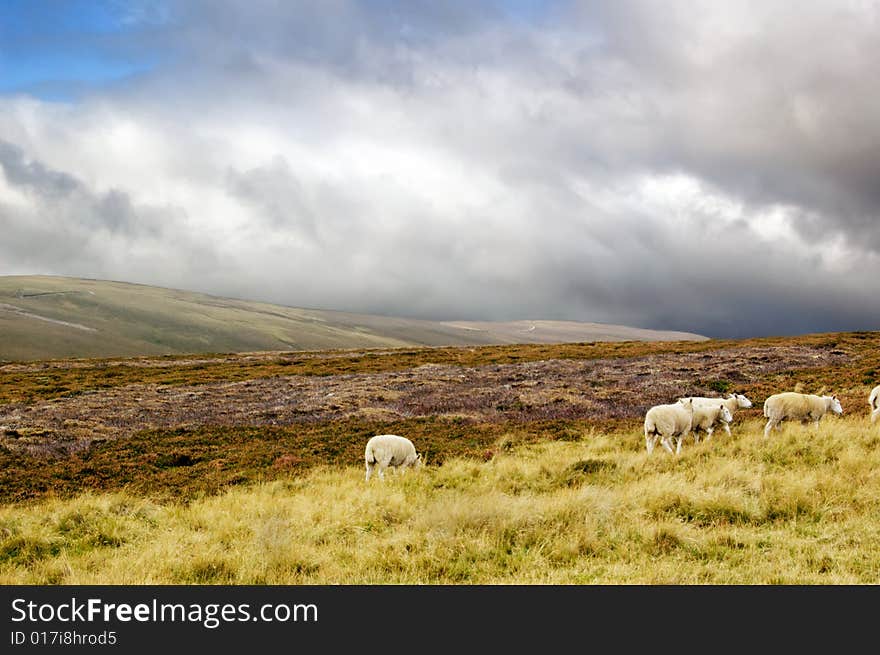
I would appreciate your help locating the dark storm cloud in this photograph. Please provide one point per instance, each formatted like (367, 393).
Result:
(32, 175)
(772, 103)
(62, 194)
(699, 166)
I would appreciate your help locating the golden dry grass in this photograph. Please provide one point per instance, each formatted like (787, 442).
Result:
(799, 508)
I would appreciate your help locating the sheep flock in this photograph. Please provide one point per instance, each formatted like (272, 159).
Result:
(665, 423)
(694, 414)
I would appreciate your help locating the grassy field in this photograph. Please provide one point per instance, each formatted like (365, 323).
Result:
(799, 508)
(247, 469)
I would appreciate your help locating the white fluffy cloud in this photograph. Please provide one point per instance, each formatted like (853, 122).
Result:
(706, 167)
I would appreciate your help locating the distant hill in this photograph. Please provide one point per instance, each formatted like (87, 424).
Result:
(44, 317)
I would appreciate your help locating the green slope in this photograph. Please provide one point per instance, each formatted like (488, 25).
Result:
(43, 317)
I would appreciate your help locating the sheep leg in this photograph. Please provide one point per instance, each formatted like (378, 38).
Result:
(369, 471)
(709, 433)
(678, 446)
(875, 415)
(650, 440)
(385, 462)
(664, 441)
(727, 428)
(771, 424)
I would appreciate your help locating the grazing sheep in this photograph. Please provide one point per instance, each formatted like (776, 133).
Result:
(386, 450)
(799, 407)
(665, 422)
(874, 402)
(707, 417)
(733, 402)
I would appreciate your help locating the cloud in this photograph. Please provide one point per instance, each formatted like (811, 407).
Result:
(54, 223)
(277, 197)
(691, 166)
(34, 176)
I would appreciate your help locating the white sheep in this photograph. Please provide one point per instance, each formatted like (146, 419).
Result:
(874, 402)
(386, 450)
(708, 416)
(733, 402)
(799, 407)
(665, 422)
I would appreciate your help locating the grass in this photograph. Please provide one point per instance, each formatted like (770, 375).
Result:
(43, 317)
(133, 319)
(510, 495)
(189, 463)
(593, 508)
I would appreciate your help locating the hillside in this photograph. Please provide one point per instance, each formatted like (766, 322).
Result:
(43, 317)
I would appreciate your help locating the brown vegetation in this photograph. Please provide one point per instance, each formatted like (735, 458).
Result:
(187, 426)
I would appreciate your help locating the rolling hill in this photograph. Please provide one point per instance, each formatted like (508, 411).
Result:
(45, 317)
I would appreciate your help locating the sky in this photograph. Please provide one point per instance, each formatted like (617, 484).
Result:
(704, 166)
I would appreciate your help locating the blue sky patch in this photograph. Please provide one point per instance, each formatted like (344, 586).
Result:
(57, 50)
